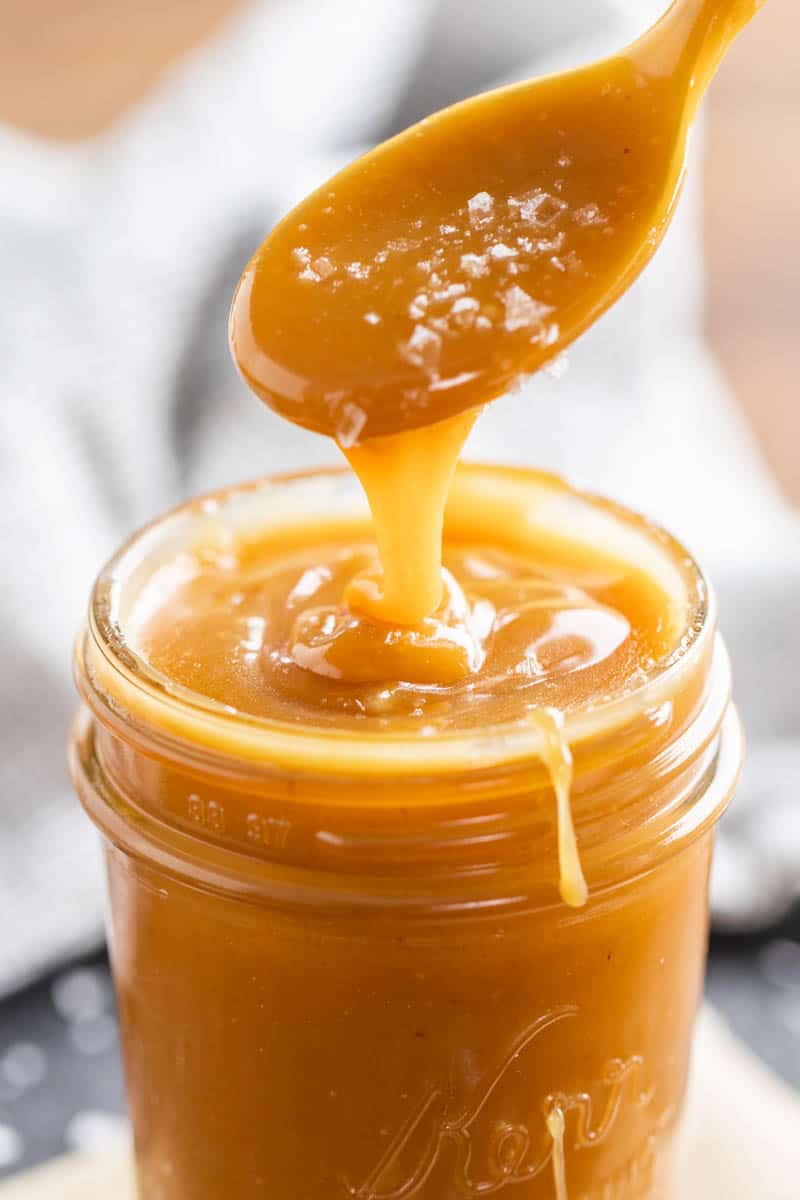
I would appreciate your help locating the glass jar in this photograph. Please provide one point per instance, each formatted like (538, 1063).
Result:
(343, 966)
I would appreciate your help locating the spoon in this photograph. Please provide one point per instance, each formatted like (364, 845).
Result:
(430, 275)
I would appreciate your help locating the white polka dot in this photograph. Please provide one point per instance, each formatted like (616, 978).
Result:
(94, 1037)
(780, 964)
(10, 1146)
(23, 1066)
(92, 1130)
(81, 995)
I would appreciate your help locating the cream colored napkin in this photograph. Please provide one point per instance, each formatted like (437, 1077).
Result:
(740, 1139)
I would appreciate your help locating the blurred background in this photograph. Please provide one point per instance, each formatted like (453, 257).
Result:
(144, 152)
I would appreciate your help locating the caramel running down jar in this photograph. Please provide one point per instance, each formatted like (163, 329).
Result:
(344, 968)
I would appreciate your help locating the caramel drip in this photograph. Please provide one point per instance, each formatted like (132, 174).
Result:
(555, 1127)
(422, 282)
(427, 278)
(407, 478)
(557, 758)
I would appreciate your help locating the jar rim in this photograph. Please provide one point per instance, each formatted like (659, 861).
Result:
(108, 668)
(258, 873)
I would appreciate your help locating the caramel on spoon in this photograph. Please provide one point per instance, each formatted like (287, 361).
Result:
(425, 278)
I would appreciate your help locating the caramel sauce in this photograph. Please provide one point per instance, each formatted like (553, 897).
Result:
(427, 276)
(519, 631)
(407, 479)
(384, 311)
(527, 627)
(342, 967)
(555, 1127)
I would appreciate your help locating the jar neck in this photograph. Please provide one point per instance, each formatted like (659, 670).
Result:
(484, 833)
(254, 800)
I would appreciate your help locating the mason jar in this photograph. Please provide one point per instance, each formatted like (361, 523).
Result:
(343, 965)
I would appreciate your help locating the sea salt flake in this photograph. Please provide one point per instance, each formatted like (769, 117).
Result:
(500, 251)
(551, 245)
(480, 207)
(588, 215)
(323, 267)
(372, 318)
(450, 292)
(465, 304)
(350, 424)
(423, 348)
(358, 270)
(464, 311)
(419, 306)
(522, 311)
(302, 259)
(482, 322)
(539, 209)
(475, 265)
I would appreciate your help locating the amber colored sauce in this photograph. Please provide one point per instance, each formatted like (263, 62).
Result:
(373, 1006)
(527, 627)
(555, 1127)
(266, 632)
(407, 479)
(427, 276)
(384, 311)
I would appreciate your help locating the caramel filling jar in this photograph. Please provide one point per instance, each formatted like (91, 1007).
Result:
(343, 964)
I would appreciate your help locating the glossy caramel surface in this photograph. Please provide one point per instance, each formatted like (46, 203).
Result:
(368, 1000)
(264, 627)
(426, 277)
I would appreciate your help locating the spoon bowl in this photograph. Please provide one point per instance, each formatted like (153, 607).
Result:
(429, 276)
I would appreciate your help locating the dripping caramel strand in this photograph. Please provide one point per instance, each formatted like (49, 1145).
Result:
(557, 758)
(555, 1127)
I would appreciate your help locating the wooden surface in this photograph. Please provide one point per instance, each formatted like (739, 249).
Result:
(753, 231)
(740, 1137)
(70, 67)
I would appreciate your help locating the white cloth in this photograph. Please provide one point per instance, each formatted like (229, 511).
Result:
(118, 259)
